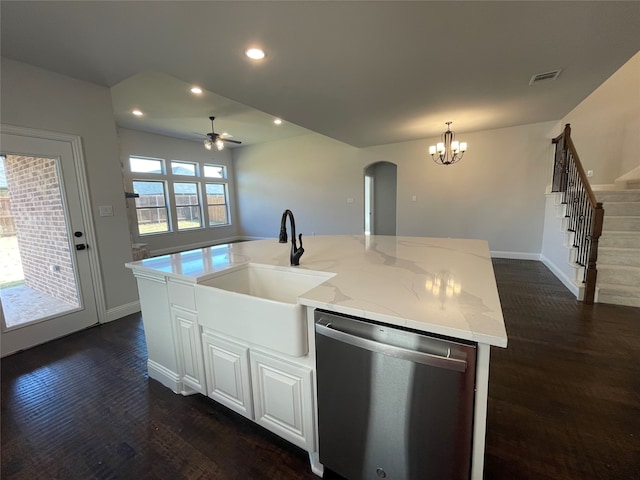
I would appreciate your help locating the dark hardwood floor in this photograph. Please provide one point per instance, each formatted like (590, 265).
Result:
(564, 402)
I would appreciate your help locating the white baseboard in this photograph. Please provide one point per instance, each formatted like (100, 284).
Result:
(121, 311)
(165, 376)
(249, 238)
(515, 255)
(567, 282)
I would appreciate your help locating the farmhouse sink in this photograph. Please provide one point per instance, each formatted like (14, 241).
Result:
(259, 304)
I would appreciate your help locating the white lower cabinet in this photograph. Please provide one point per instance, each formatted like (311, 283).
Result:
(273, 391)
(282, 396)
(228, 377)
(189, 349)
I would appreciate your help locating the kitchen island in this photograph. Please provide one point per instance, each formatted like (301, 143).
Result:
(438, 286)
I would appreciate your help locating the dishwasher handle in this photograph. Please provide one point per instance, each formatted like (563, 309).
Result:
(391, 350)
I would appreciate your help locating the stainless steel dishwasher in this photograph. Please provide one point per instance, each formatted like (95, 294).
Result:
(393, 403)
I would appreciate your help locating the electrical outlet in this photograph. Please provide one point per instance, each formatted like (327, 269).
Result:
(589, 173)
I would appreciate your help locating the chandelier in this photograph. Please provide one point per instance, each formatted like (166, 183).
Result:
(449, 151)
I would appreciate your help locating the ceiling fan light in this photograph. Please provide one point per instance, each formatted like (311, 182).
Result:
(208, 144)
(219, 144)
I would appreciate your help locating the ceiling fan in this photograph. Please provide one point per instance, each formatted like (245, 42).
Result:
(216, 139)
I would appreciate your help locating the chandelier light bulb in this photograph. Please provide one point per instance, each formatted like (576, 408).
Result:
(208, 144)
(219, 144)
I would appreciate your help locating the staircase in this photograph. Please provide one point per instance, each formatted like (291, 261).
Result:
(619, 248)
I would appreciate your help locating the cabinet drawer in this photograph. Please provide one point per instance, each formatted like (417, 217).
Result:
(182, 295)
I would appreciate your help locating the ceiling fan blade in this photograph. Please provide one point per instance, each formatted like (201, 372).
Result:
(229, 140)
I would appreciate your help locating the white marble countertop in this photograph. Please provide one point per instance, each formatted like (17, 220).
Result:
(439, 285)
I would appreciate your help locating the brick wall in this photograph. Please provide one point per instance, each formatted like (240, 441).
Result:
(38, 214)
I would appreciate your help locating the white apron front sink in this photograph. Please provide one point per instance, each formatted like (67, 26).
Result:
(259, 304)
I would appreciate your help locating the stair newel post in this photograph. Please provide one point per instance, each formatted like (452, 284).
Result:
(565, 156)
(592, 272)
(560, 165)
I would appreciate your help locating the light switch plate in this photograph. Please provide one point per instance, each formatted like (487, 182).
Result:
(106, 210)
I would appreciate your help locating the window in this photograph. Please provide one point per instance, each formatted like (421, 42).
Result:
(146, 165)
(183, 168)
(217, 204)
(173, 194)
(187, 205)
(151, 207)
(215, 171)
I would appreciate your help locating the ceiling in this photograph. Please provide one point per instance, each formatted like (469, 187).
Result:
(365, 73)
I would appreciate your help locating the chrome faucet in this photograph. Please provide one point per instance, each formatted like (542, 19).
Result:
(296, 252)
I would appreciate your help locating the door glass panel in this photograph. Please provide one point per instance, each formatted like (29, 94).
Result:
(37, 269)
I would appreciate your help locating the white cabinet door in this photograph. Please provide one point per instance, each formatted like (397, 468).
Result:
(228, 378)
(283, 398)
(189, 349)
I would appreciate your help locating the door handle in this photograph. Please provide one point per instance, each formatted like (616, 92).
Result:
(391, 350)
(82, 246)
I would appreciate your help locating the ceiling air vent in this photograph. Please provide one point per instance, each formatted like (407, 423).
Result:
(542, 77)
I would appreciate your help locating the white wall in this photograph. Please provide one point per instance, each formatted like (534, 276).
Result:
(495, 193)
(133, 142)
(605, 127)
(36, 98)
(310, 174)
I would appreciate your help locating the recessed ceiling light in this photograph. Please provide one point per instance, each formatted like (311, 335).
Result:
(277, 121)
(137, 113)
(255, 54)
(196, 90)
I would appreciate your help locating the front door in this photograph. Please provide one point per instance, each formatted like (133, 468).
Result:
(46, 286)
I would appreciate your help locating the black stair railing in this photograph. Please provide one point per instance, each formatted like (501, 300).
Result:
(584, 213)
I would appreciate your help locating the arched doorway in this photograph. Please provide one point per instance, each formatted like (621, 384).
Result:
(380, 190)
